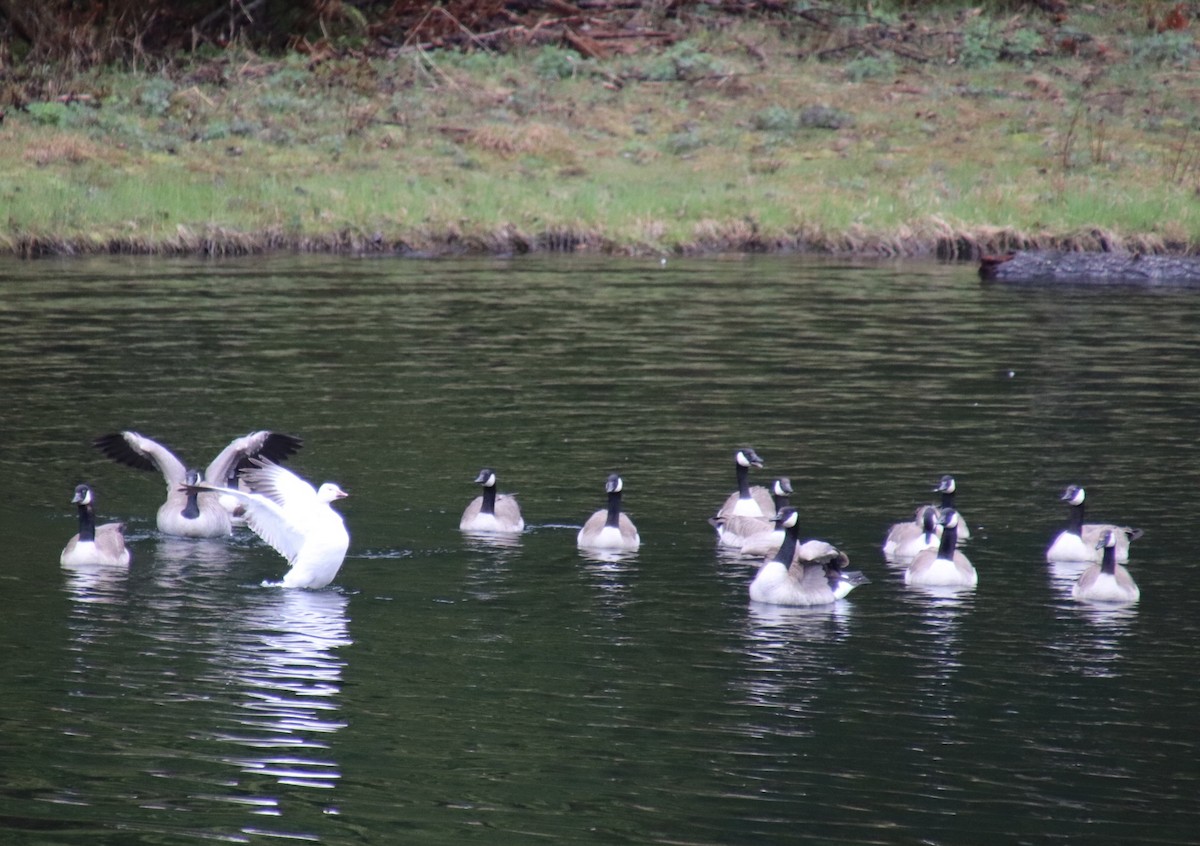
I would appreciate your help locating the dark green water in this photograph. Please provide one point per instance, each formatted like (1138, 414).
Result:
(447, 691)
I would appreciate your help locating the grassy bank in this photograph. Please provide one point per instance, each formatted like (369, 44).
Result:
(949, 133)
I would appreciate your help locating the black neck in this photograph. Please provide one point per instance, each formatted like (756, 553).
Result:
(192, 509)
(947, 499)
(949, 541)
(787, 549)
(87, 523)
(782, 501)
(1108, 563)
(743, 477)
(1075, 521)
(614, 510)
(489, 500)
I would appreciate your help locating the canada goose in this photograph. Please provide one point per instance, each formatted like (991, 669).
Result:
(736, 532)
(905, 540)
(1107, 581)
(292, 518)
(747, 501)
(94, 544)
(945, 567)
(492, 512)
(610, 528)
(807, 582)
(1079, 541)
(766, 544)
(947, 487)
(187, 513)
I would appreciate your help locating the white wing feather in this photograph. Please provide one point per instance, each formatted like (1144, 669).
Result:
(282, 487)
(269, 521)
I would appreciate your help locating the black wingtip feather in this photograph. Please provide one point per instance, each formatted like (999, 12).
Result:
(115, 446)
(278, 446)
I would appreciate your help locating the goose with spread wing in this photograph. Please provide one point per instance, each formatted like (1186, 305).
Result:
(190, 511)
(294, 519)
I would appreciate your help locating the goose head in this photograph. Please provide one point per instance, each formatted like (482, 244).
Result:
(614, 483)
(929, 520)
(328, 492)
(1073, 495)
(787, 518)
(486, 477)
(950, 518)
(83, 495)
(747, 457)
(1109, 538)
(945, 485)
(781, 487)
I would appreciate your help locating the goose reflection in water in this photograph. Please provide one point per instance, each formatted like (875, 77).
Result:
(779, 678)
(97, 583)
(1095, 649)
(283, 658)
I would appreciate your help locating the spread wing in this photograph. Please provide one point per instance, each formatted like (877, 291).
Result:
(271, 446)
(269, 521)
(283, 487)
(137, 451)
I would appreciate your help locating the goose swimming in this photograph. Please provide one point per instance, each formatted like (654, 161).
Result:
(1107, 581)
(1081, 541)
(104, 545)
(905, 540)
(947, 487)
(784, 581)
(610, 528)
(189, 510)
(759, 532)
(293, 519)
(747, 501)
(491, 512)
(946, 566)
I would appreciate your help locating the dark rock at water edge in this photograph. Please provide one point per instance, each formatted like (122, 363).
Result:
(1109, 268)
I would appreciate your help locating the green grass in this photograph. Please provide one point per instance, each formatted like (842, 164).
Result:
(703, 145)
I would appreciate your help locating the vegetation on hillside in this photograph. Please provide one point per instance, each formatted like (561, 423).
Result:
(884, 128)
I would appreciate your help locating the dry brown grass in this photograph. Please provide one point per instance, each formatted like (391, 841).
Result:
(535, 139)
(62, 149)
